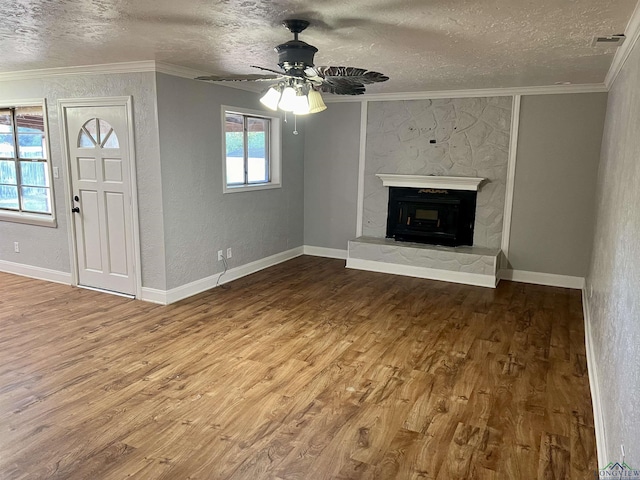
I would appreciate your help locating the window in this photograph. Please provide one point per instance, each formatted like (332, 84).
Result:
(251, 150)
(25, 185)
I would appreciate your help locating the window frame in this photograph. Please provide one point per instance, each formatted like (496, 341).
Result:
(274, 142)
(20, 216)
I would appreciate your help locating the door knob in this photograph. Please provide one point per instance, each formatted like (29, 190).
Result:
(75, 209)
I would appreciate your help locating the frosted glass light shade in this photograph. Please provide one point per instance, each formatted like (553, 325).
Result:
(316, 104)
(288, 100)
(301, 105)
(271, 98)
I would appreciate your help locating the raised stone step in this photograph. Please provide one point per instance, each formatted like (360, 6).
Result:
(469, 265)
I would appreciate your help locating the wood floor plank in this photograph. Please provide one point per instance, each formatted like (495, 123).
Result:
(306, 370)
(554, 457)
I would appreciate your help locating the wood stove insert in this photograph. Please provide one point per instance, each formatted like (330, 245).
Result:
(432, 216)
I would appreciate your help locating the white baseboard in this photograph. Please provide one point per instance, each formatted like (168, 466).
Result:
(549, 279)
(184, 291)
(594, 384)
(253, 267)
(35, 272)
(325, 252)
(476, 279)
(154, 295)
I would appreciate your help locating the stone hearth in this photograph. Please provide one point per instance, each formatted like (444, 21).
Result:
(469, 265)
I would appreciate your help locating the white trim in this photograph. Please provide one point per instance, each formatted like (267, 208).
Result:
(511, 176)
(29, 102)
(38, 273)
(430, 181)
(538, 278)
(179, 71)
(256, 266)
(32, 218)
(325, 252)
(66, 177)
(207, 283)
(632, 33)
(127, 102)
(250, 187)
(28, 218)
(594, 384)
(154, 295)
(120, 101)
(101, 69)
(108, 292)
(479, 92)
(364, 106)
(135, 216)
(475, 279)
(53, 218)
(185, 72)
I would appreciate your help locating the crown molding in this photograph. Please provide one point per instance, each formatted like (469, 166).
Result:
(632, 32)
(479, 92)
(114, 68)
(178, 71)
(185, 72)
(106, 68)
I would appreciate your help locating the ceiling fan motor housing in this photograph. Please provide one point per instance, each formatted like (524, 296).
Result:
(295, 54)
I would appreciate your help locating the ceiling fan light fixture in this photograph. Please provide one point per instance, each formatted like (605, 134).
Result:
(271, 99)
(298, 83)
(288, 100)
(301, 105)
(316, 104)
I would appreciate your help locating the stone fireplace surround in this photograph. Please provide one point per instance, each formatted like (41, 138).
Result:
(469, 265)
(454, 137)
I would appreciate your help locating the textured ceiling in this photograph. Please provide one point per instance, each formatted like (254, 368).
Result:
(422, 45)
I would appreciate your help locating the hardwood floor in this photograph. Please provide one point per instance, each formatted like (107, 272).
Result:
(306, 370)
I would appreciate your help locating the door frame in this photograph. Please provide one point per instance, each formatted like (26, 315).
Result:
(127, 102)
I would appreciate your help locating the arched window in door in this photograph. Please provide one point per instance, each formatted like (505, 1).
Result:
(97, 133)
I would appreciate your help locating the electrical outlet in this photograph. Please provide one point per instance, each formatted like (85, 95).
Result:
(16, 247)
(229, 254)
(56, 172)
(219, 255)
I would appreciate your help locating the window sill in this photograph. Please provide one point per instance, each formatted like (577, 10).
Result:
(29, 218)
(250, 188)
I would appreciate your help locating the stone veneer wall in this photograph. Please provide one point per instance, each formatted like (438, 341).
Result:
(472, 139)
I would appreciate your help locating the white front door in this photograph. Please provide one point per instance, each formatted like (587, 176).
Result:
(97, 140)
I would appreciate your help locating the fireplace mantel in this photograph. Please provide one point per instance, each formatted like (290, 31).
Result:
(430, 181)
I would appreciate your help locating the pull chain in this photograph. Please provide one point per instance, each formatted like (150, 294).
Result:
(295, 124)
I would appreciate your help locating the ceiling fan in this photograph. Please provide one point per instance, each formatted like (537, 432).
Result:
(298, 85)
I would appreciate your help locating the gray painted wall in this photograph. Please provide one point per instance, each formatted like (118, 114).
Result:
(199, 219)
(331, 155)
(47, 247)
(472, 139)
(557, 163)
(613, 282)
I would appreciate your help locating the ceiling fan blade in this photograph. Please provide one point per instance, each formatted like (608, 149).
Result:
(347, 80)
(265, 69)
(238, 78)
(311, 74)
(280, 74)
